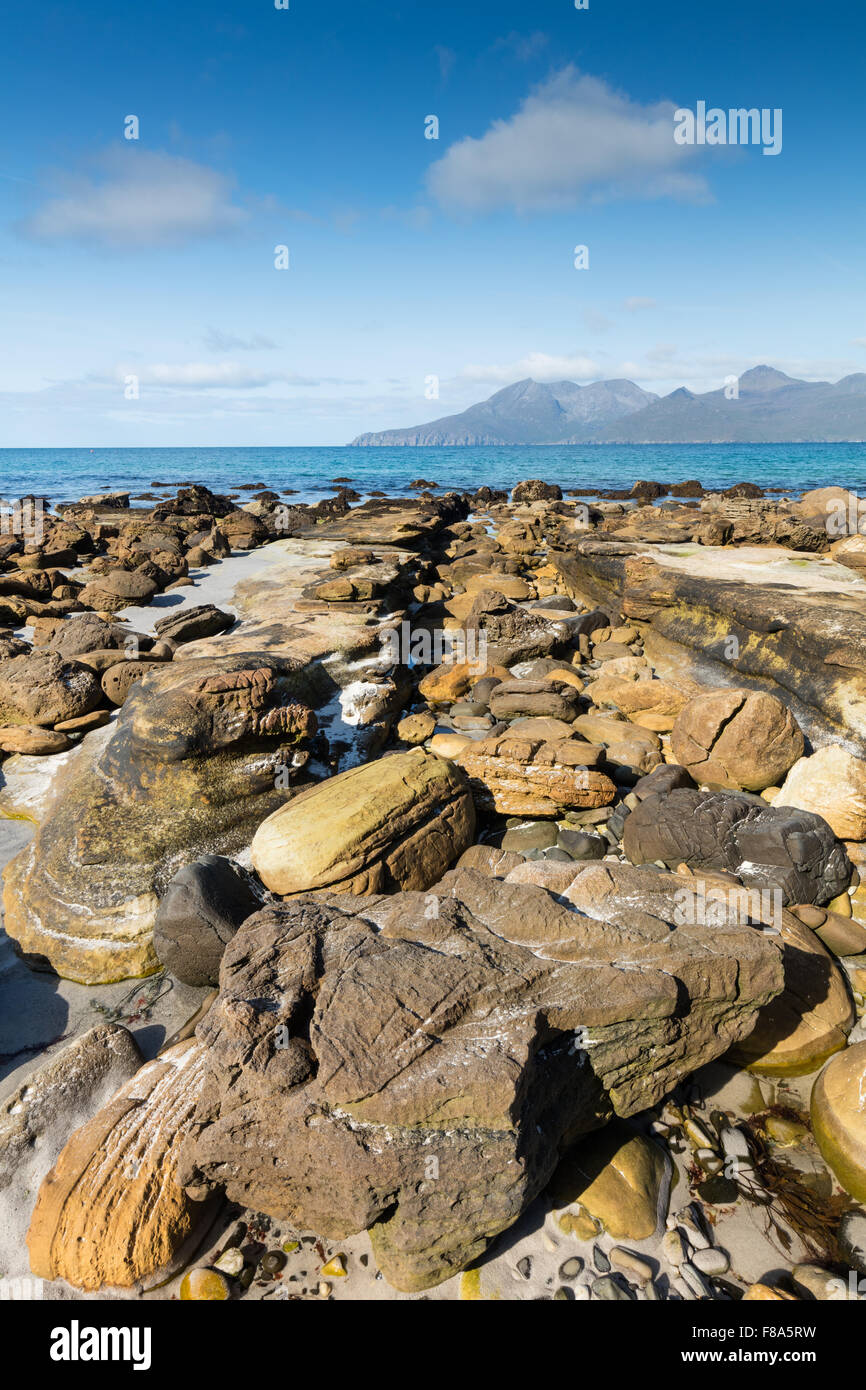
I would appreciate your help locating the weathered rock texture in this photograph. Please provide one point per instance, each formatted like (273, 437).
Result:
(397, 823)
(415, 1064)
(519, 775)
(44, 689)
(111, 1212)
(799, 625)
(737, 738)
(38, 1118)
(767, 848)
(192, 764)
(199, 913)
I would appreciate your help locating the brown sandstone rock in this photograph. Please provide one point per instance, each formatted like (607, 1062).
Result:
(45, 688)
(737, 738)
(832, 783)
(111, 1213)
(516, 774)
(481, 1022)
(396, 823)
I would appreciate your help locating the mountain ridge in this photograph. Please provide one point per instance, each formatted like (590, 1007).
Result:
(769, 407)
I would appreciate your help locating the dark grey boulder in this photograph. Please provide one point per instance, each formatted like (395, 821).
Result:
(198, 915)
(765, 846)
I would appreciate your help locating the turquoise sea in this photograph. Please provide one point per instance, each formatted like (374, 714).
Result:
(66, 474)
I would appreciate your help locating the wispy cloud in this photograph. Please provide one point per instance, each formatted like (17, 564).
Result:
(574, 137)
(637, 302)
(524, 47)
(539, 365)
(217, 341)
(138, 198)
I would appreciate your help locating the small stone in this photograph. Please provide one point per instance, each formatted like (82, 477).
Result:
(230, 1262)
(570, 1269)
(631, 1264)
(712, 1261)
(719, 1191)
(785, 1133)
(852, 1238)
(600, 1260)
(611, 1290)
(290, 1246)
(524, 1267)
(820, 1283)
(335, 1268)
(675, 1247)
(549, 1244)
(695, 1280)
(324, 1290)
(201, 1285)
(274, 1262)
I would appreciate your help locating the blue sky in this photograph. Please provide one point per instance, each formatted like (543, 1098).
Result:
(410, 258)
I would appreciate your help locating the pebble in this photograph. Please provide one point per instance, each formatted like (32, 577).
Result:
(524, 1267)
(852, 1238)
(600, 1260)
(335, 1269)
(231, 1262)
(549, 1243)
(693, 1234)
(675, 1247)
(571, 1268)
(204, 1285)
(695, 1280)
(273, 1262)
(711, 1261)
(612, 1291)
(719, 1191)
(631, 1264)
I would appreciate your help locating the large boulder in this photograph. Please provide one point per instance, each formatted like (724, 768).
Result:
(523, 772)
(396, 823)
(200, 752)
(415, 1064)
(38, 1118)
(199, 913)
(830, 783)
(743, 739)
(810, 1020)
(118, 589)
(534, 490)
(111, 1213)
(511, 634)
(839, 1118)
(44, 689)
(190, 624)
(767, 848)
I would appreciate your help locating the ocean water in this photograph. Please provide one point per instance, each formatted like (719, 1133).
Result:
(64, 475)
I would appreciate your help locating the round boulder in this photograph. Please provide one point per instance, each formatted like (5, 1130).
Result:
(199, 913)
(742, 739)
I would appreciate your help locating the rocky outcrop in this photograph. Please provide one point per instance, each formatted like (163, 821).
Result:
(111, 1213)
(797, 626)
(523, 774)
(415, 1064)
(742, 739)
(767, 848)
(395, 824)
(38, 1118)
(200, 752)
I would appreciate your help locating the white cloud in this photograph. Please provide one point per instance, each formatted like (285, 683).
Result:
(207, 376)
(637, 302)
(217, 341)
(539, 365)
(574, 137)
(139, 198)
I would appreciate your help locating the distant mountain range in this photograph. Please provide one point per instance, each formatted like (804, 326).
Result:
(770, 408)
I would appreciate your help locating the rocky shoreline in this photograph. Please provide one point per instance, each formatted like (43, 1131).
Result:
(446, 897)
